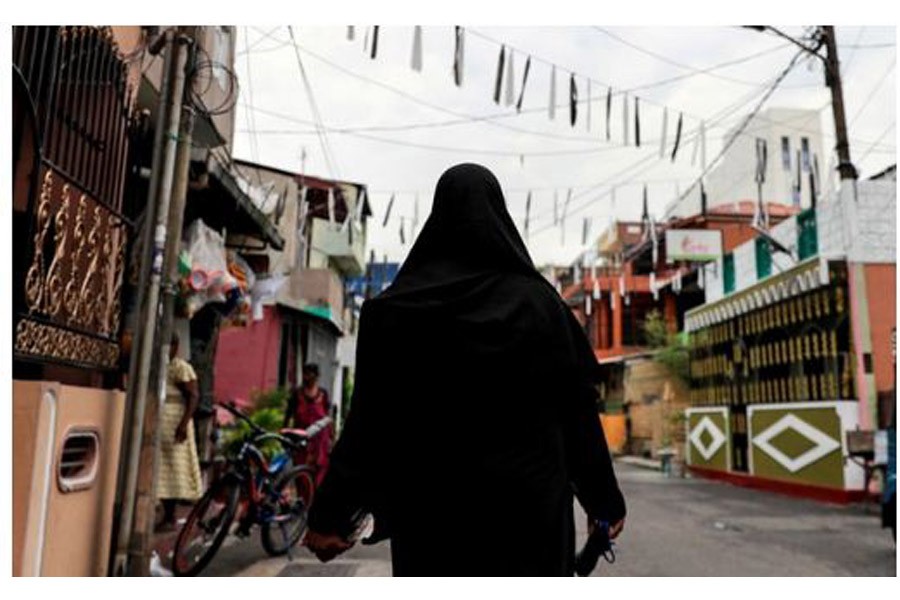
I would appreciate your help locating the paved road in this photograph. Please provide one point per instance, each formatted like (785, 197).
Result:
(676, 527)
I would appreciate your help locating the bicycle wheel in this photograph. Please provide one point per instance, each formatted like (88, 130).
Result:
(206, 528)
(287, 523)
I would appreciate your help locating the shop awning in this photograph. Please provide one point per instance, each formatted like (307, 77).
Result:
(314, 313)
(806, 276)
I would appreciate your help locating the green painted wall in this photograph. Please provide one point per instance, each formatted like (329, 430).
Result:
(827, 471)
(719, 460)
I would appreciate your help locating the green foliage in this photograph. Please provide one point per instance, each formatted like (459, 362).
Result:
(268, 418)
(275, 398)
(655, 330)
(671, 349)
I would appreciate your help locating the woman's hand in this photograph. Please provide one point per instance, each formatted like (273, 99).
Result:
(325, 545)
(181, 433)
(616, 528)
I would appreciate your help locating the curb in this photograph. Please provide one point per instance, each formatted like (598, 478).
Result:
(638, 461)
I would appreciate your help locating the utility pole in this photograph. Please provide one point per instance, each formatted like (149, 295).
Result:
(862, 335)
(833, 81)
(145, 502)
(862, 332)
(168, 121)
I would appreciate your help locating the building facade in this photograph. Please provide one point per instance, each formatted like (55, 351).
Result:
(791, 350)
(306, 313)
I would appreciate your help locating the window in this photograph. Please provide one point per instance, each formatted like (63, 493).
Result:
(786, 153)
(763, 258)
(804, 153)
(728, 272)
(808, 239)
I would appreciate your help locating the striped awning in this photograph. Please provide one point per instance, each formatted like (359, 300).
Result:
(806, 276)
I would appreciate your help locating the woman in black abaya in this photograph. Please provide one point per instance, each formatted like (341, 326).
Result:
(473, 419)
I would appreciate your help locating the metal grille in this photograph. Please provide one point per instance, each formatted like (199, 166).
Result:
(80, 105)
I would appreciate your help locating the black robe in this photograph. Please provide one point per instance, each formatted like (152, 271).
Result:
(473, 418)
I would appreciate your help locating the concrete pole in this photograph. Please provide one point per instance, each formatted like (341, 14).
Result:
(145, 502)
(172, 87)
(862, 334)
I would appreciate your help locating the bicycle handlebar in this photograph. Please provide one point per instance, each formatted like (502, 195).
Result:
(230, 407)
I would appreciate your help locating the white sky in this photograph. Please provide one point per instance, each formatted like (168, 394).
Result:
(271, 83)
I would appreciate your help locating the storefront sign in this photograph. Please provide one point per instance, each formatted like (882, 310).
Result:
(693, 245)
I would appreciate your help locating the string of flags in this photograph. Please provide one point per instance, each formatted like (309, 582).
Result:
(505, 93)
(524, 81)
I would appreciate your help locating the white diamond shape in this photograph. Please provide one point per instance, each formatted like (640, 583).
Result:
(718, 438)
(825, 444)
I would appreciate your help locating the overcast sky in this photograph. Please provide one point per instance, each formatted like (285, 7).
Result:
(365, 105)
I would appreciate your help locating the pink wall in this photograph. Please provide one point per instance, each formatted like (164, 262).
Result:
(881, 292)
(247, 358)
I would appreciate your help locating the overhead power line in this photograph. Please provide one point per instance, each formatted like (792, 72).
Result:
(681, 65)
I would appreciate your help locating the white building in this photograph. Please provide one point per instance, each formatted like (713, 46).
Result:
(795, 161)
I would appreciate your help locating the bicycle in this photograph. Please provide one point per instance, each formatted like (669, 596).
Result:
(275, 495)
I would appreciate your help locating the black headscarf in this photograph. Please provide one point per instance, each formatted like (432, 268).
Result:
(469, 235)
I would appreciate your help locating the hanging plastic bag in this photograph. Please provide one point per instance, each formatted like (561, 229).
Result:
(209, 279)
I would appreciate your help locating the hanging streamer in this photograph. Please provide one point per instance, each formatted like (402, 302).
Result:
(527, 213)
(415, 222)
(816, 183)
(645, 217)
(366, 41)
(573, 100)
(596, 290)
(587, 305)
(416, 62)
(608, 111)
(662, 137)
(304, 210)
(588, 113)
(331, 205)
(703, 145)
(351, 32)
(402, 233)
(374, 41)
(677, 136)
(562, 220)
(552, 107)
(637, 123)
(524, 79)
(458, 56)
(653, 287)
(555, 207)
(695, 150)
(387, 211)
(585, 230)
(612, 206)
(498, 82)
(510, 80)
(626, 125)
(360, 206)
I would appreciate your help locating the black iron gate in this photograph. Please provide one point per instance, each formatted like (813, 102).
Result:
(72, 144)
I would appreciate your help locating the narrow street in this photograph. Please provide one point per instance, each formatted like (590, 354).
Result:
(675, 527)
